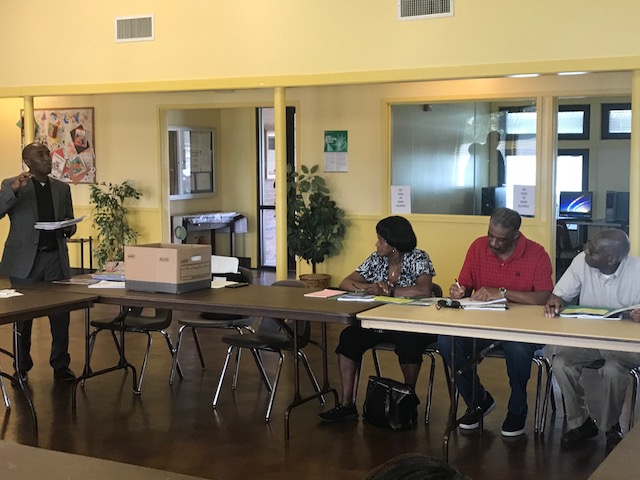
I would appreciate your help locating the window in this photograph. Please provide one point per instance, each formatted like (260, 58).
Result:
(191, 162)
(616, 120)
(572, 171)
(573, 122)
(450, 153)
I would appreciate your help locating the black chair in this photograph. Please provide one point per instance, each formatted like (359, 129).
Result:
(430, 350)
(542, 398)
(565, 251)
(272, 335)
(196, 321)
(132, 320)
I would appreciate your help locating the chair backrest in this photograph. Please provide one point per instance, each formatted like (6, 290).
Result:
(563, 240)
(282, 327)
(436, 290)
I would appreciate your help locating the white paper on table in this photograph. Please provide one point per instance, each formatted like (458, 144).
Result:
(219, 282)
(58, 225)
(107, 284)
(9, 292)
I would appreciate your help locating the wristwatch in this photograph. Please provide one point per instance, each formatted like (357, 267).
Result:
(503, 292)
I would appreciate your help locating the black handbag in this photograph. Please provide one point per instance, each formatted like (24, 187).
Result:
(390, 404)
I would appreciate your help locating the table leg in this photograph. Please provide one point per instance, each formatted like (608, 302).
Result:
(23, 386)
(122, 362)
(297, 399)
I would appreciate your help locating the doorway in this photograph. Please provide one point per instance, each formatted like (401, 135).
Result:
(265, 127)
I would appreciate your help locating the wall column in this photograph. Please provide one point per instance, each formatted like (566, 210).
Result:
(28, 121)
(280, 125)
(634, 167)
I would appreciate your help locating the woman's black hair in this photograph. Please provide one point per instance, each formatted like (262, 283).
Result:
(397, 232)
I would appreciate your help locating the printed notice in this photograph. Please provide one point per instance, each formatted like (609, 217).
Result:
(336, 143)
(400, 199)
(524, 200)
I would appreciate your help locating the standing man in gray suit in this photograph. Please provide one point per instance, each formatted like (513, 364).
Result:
(32, 255)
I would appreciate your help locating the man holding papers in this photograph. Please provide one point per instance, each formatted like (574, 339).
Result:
(503, 264)
(604, 275)
(32, 255)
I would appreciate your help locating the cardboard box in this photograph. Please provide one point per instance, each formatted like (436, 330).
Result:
(167, 267)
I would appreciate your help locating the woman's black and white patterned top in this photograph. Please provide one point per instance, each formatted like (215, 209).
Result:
(414, 264)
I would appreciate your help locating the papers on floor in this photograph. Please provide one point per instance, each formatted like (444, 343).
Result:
(9, 292)
(107, 284)
(326, 293)
(58, 225)
(497, 304)
(579, 311)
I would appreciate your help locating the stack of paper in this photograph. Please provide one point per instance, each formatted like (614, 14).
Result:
(58, 225)
(326, 293)
(498, 304)
(356, 297)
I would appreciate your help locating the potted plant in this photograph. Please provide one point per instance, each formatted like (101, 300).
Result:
(315, 224)
(110, 219)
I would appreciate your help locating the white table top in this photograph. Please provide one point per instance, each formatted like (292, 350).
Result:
(525, 323)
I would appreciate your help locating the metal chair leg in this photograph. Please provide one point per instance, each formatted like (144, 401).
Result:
(172, 351)
(5, 397)
(175, 354)
(312, 377)
(634, 395)
(195, 339)
(432, 372)
(138, 389)
(275, 387)
(376, 363)
(263, 373)
(221, 379)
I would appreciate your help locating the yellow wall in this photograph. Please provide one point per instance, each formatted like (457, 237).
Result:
(251, 43)
(129, 141)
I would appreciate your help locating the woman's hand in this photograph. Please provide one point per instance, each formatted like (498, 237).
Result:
(378, 288)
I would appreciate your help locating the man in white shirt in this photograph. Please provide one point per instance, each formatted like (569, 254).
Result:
(604, 275)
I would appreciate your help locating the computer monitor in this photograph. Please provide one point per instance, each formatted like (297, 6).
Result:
(576, 204)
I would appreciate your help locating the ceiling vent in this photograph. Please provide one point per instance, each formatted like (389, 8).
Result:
(419, 9)
(134, 29)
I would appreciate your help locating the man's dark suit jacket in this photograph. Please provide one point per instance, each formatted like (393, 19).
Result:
(21, 246)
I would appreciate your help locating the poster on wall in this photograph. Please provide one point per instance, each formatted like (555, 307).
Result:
(335, 150)
(69, 134)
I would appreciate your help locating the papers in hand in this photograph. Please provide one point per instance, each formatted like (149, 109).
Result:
(579, 311)
(58, 225)
(9, 292)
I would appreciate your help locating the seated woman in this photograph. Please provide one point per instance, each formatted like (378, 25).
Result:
(395, 268)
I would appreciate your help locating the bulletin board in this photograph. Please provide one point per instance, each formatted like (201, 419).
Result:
(69, 134)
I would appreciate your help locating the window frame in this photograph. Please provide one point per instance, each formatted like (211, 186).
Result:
(586, 122)
(605, 133)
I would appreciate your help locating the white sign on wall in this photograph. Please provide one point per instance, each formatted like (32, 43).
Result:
(400, 199)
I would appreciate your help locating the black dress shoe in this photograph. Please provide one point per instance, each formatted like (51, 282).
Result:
(587, 430)
(15, 382)
(613, 437)
(64, 374)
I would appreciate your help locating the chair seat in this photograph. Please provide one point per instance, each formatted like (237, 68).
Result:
(197, 322)
(255, 340)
